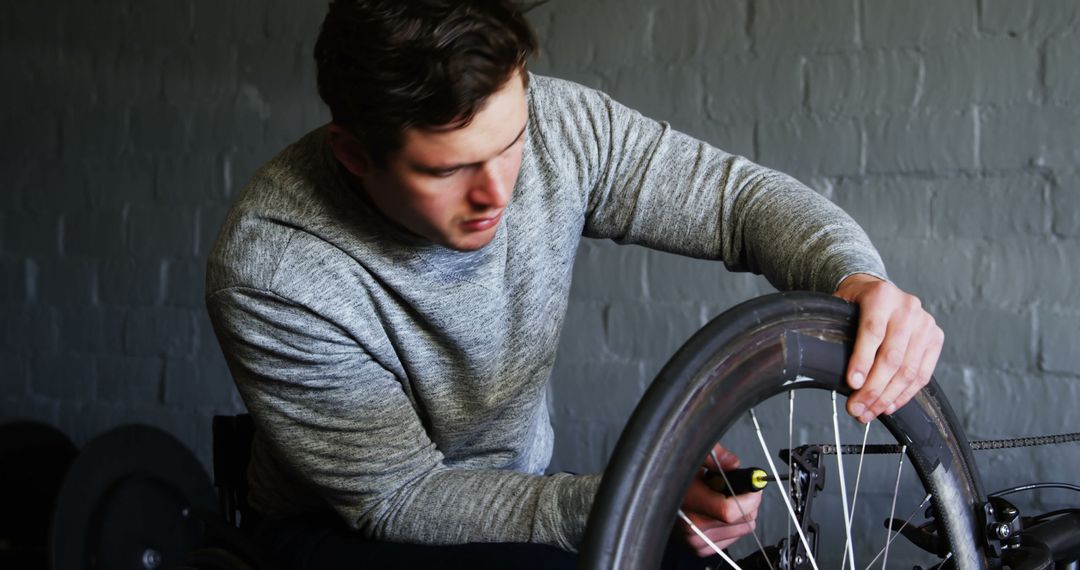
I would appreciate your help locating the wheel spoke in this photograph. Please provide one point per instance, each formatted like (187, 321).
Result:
(849, 553)
(787, 502)
(902, 527)
(858, 478)
(790, 446)
(708, 541)
(892, 511)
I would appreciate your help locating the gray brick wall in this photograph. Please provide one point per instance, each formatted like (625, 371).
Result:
(949, 129)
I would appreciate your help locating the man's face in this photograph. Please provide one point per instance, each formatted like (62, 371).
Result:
(452, 186)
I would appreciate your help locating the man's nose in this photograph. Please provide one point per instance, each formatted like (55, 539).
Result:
(489, 187)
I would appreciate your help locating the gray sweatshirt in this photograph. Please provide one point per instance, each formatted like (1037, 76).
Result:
(402, 384)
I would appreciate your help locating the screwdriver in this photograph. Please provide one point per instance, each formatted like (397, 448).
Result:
(745, 480)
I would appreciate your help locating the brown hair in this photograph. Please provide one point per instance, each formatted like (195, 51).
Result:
(387, 65)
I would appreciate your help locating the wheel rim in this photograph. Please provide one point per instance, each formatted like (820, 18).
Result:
(757, 350)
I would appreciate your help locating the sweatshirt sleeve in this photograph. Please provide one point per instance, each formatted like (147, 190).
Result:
(343, 427)
(648, 184)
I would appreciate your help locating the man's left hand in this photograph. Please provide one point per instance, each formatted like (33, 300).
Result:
(722, 518)
(897, 346)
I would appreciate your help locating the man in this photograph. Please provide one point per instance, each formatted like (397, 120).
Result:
(389, 290)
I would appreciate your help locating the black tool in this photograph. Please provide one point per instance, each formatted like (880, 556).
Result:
(745, 480)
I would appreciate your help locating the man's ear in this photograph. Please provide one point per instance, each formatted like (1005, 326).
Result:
(348, 150)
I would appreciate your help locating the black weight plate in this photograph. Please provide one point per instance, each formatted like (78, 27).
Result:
(122, 504)
(34, 457)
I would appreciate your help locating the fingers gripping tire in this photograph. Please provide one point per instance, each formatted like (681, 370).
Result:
(756, 350)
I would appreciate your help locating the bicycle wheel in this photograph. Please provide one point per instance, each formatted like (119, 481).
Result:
(763, 348)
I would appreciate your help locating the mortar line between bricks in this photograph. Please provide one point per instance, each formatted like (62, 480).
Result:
(976, 115)
(1042, 93)
(857, 9)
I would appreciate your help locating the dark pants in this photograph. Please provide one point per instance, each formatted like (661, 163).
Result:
(324, 543)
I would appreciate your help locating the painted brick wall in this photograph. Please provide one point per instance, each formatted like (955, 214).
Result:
(950, 130)
(129, 126)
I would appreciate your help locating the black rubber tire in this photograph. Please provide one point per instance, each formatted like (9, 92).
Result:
(752, 352)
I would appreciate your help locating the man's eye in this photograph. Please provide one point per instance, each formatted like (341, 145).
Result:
(444, 173)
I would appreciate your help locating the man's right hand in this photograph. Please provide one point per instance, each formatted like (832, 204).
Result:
(723, 519)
